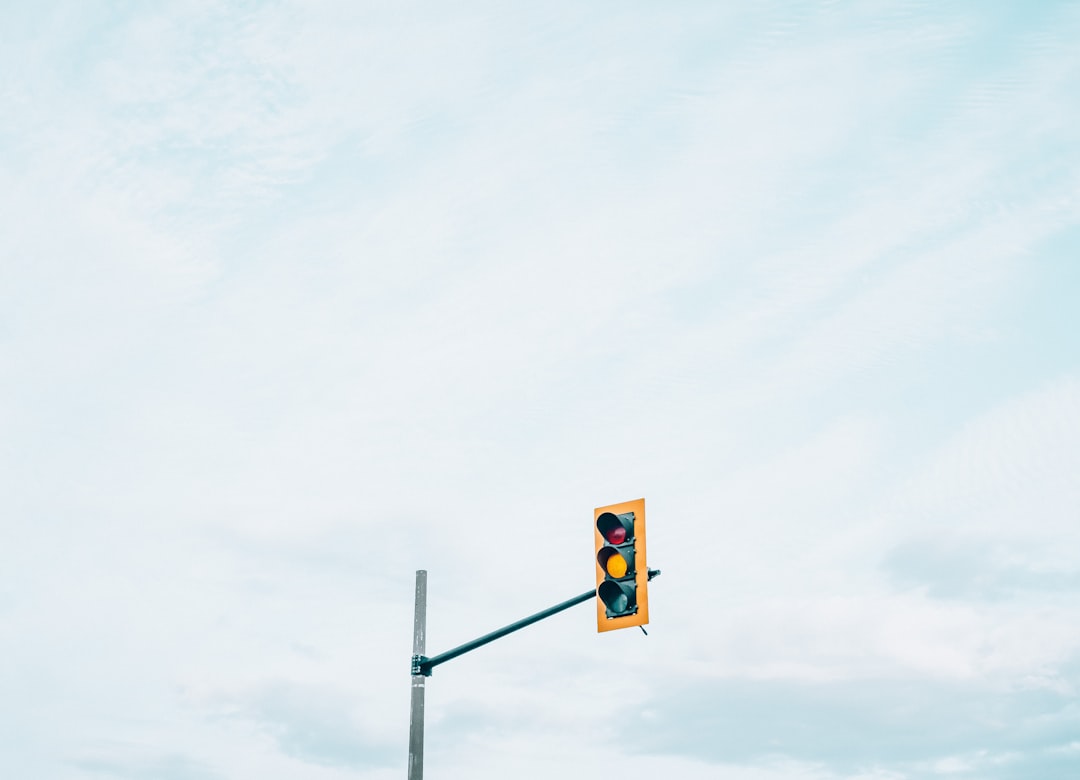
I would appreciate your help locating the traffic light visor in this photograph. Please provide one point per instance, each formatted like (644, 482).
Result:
(616, 529)
(617, 598)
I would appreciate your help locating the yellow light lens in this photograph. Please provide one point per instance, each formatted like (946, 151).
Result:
(616, 566)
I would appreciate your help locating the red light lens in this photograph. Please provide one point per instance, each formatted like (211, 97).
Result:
(616, 535)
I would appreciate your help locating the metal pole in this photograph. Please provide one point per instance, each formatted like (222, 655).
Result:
(416, 704)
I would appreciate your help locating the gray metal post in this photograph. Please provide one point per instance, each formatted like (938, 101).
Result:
(416, 708)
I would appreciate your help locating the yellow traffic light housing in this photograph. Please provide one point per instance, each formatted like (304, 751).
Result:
(622, 575)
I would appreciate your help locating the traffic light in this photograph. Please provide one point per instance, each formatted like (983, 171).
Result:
(622, 576)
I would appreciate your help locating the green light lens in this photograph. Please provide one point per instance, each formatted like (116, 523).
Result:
(615, 597)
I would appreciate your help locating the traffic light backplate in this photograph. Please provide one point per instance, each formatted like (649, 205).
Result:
(622, 573)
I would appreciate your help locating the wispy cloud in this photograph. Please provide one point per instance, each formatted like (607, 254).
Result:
(313, 723)
(170, 767)
(905, 726)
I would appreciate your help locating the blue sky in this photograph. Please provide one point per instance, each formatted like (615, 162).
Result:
(297, 298)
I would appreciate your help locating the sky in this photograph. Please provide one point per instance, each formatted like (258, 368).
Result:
(297, 298)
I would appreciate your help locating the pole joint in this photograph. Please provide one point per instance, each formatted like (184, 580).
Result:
(419, 666)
